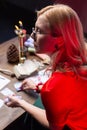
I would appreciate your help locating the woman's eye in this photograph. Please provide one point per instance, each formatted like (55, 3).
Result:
(38, 30)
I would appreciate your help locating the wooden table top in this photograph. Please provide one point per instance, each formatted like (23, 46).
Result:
(8, 115)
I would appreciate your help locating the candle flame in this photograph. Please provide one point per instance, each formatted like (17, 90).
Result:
(17, 28)
(20, 22)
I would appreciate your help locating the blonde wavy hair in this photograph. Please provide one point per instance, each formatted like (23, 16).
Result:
(64, 21)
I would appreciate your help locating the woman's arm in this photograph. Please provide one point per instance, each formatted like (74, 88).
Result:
(38, 113)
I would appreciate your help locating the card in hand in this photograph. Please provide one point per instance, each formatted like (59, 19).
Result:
(17, 86)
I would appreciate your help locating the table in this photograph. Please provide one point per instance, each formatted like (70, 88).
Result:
(8, 115)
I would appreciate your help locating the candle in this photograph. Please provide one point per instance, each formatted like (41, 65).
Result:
(18, 31)
(17, 28)
(22, 37)
(21, 24)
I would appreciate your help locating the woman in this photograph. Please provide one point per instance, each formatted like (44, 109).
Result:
(58, 32)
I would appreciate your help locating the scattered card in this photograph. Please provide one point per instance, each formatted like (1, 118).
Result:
(3, 81)
(8, 100)
(7, 92)
(17, 86)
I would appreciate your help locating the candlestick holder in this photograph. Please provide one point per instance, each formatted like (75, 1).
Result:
(22, 49)
(22, 38)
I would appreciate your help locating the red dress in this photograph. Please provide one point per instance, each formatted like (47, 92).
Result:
(64, 97)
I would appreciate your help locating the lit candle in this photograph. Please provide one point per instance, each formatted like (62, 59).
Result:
(17, 28)
(18, 31)
(21, 36)
(21, 24)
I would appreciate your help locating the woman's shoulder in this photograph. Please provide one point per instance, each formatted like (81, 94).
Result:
(63, 77)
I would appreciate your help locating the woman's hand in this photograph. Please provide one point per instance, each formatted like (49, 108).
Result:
(28, 84)
(13, 101)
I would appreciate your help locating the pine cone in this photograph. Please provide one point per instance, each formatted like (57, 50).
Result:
(12, 54)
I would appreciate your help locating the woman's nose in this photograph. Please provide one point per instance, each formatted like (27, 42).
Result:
(32, 35)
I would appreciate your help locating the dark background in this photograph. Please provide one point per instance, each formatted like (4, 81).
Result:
(10, 14)
(11, 11)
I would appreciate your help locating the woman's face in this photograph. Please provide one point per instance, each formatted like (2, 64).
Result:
(43, 40)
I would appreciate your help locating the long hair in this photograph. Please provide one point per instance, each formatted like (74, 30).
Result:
(65, 22)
